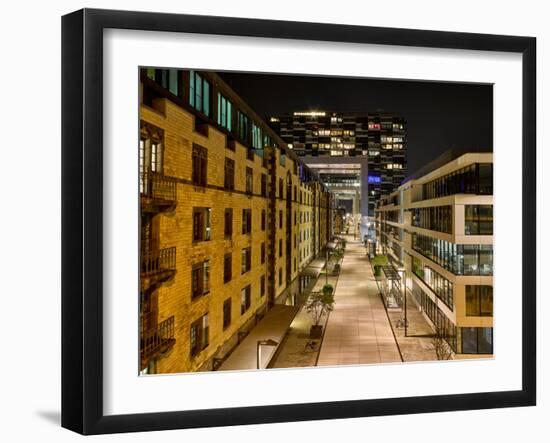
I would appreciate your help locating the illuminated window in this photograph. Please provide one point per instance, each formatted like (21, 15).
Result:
(245, 299)
(479, 300)
(224, 112)
(199, 93)
(201, 224)
(267, 141)
(256, 137)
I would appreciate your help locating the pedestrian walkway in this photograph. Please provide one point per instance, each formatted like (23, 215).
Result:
(418, 344)
(358, 330)
(272, 327)
(294, 352)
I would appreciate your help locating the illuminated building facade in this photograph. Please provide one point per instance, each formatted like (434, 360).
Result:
(229, 218)
(438, 227)
(359, 156)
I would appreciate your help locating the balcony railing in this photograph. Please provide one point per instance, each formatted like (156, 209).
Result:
(158, 191)
(157, 340)
(157, 267)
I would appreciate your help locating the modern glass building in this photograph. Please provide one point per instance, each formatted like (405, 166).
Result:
(359, 156)
(438, 227)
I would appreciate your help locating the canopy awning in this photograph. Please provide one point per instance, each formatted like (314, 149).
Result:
(390, 273)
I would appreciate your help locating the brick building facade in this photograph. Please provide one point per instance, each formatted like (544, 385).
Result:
(229, 218)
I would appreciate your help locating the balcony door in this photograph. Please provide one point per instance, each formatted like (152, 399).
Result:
(150, 154)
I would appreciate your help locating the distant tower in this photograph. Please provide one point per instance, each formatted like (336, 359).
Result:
(360, 156)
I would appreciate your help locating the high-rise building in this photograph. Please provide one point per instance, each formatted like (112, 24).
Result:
(359, 156)
(229, 218)
(438, 228)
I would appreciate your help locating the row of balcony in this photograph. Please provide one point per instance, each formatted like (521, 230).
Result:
(157, 267)
(158, 192)
(156, 341)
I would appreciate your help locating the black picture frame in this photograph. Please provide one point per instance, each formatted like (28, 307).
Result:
(82, 218)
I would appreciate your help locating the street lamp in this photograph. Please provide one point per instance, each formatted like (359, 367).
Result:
(261, 343)
(326, 264)
(403, 275)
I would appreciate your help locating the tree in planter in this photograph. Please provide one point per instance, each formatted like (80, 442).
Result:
(439, 343)
(377, 262)
(319, 304)
(337, 255)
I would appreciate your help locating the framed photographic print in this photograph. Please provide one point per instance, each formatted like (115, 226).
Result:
(255, 209)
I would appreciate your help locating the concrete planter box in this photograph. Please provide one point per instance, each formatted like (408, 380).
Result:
(316, 331)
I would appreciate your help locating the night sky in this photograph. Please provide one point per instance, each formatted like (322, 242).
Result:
(440, 116)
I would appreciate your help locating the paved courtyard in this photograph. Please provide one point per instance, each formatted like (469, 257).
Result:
(293, 352)
(418, 345)
(358, 330)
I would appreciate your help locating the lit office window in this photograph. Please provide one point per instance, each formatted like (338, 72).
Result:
(478, 219)
(479, 300)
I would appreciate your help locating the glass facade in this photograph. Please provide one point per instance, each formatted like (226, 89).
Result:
(458, 259)
(479, 300)
(441, 287)
(443, 325)
(435, 218)
(478, 219)
(474, 179)
(476, 340)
